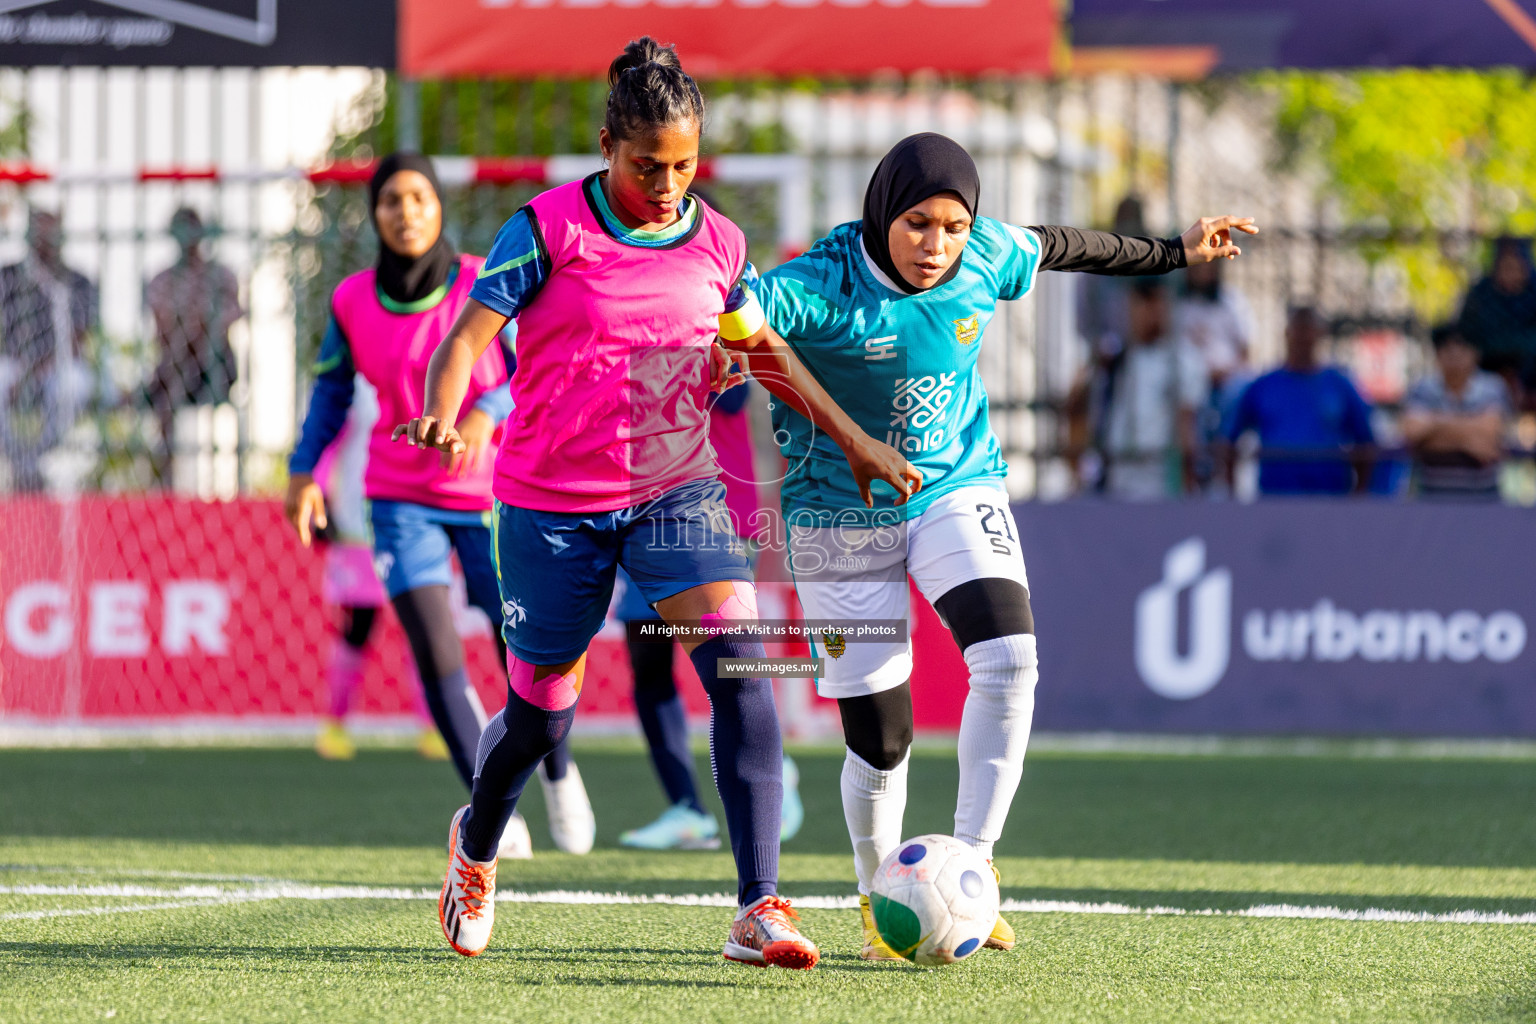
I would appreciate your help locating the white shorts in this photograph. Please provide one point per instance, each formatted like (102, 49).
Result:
(861, 574)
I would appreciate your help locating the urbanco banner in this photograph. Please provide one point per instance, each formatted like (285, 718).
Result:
(1284, 617)
(728, 37)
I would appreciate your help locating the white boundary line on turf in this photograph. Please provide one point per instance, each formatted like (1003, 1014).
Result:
(17, 732)
(206, 895)
(37, 915)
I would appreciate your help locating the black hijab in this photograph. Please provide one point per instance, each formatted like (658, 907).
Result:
(401, 278)
(917, 168)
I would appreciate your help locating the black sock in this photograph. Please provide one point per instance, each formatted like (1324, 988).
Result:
(558, 761)
(514, 743)
(663, 719)
(747, 755)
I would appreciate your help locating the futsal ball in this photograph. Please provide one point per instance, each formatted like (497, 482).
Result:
(934, 900)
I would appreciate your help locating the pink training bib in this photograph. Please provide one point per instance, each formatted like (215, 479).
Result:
(392, 350)
(612, 362)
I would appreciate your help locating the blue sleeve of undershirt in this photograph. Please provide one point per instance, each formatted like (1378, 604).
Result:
(329, 402)
(515, 270)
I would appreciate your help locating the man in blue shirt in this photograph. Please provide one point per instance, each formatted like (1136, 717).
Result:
(1314, 428)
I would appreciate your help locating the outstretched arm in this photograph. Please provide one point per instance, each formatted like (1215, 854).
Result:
(772, 363)
(1103, 252)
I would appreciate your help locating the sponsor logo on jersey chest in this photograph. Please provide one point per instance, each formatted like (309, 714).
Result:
(918, 412)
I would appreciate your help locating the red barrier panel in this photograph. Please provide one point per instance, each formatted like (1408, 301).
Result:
(739, 37)
(124, 609)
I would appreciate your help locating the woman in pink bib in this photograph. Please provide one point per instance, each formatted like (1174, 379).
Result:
(386, 323)
(621, 284)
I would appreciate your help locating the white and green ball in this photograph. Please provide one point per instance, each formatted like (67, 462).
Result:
(934, 900)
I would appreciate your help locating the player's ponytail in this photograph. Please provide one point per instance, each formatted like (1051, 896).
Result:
(648, 89)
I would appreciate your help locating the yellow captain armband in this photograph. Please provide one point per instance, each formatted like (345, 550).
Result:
(744, 322)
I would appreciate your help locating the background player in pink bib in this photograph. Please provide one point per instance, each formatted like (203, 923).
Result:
(620, 284)
(387, 321)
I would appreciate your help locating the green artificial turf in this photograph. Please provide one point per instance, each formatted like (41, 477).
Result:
(1195, 833)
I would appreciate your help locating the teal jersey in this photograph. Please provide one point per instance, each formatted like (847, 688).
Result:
(904, 367)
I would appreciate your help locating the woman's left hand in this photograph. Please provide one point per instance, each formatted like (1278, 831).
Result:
(720, 362)
(1211, 239)
(475, 430)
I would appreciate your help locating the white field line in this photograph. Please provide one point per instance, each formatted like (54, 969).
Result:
(37, 915)
(206, 895)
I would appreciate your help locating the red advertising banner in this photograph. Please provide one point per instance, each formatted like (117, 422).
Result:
(728, 37)
(122, 610)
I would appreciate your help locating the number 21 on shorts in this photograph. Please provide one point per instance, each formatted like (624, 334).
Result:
(995, 524)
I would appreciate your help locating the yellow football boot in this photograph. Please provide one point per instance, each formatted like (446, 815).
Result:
(1002, 936)
(431, 746)
(333, 743)
(875, 947)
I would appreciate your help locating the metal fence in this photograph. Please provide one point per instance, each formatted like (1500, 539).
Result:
(129, 366)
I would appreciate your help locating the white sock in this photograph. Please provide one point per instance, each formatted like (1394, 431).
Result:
(873, 804)
(994, 730)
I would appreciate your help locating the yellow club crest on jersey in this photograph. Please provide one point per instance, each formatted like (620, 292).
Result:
(968, 330)
(835, 644)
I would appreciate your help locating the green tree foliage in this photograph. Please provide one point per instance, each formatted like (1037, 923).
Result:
(1426, 158)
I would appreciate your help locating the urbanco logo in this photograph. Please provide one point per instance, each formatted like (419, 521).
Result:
(1321, 632)
(1167, 671)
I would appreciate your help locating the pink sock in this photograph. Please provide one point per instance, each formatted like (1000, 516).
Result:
(343, 674)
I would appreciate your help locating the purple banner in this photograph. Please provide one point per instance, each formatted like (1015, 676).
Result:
(1319, 33)
(1349, 618)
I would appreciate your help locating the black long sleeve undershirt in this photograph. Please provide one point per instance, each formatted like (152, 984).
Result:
(1101, 252)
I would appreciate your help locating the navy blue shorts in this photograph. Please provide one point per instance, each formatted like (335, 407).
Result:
(557, 568)
(631, 606)
(412, 544)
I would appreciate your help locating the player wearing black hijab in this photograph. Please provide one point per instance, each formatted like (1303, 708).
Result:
(385, 324)
(889, 314)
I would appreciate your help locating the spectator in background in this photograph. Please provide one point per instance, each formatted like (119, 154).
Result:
(194, 303)
(1103, 302)
(1303, 412)
(1454, 420)
(1498, 316)
(1149, 395)
(1217, 321)
(46, 311)
(1103, 323)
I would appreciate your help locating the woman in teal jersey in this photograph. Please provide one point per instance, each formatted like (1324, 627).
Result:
(888, 313)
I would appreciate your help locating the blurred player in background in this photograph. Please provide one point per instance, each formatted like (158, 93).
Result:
(350, 584)
(386, 323)
(620, 284)
(889, 313)
(686, 824)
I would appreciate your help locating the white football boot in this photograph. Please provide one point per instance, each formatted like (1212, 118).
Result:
(466, 907)
(764, 934)
(572, 825)
(516, 843)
